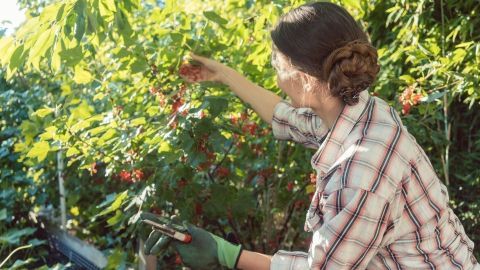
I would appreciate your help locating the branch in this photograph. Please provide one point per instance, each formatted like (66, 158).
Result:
(15, 250)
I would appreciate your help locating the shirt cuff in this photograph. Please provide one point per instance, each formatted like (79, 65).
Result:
(289, 260)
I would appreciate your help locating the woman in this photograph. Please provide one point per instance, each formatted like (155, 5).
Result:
(378, 203)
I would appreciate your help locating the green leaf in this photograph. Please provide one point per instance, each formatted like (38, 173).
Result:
(82, 111)
(50, 133)
(13, 236)
(20, 264)
(56, 60)
(214, 17)
(107, 9)
(72, 151)
(407, 78)
(17, 59)
(216, 105)
(433, 96)
(116, 260)
(164, 147)
(39, 151)
(3, 214)
(459, 55)
(139, 65)
(43, 112)
(138, 121)
(82, 76)
(43, 43)
(110, 4)
(71, 56)
(116, 218)
(116, 203)
(80, 23)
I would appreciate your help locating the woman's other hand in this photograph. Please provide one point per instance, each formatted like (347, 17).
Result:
(206, 70)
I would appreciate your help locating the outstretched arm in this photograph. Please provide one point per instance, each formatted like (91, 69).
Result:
(262, 100)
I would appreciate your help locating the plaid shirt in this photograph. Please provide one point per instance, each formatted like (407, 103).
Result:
(378, 202)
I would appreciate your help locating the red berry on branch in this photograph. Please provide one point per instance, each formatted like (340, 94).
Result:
(406, 108)
(265, 132)
(313, 178)
(182, 183)
(204, 165)
(266, 172)
(139, 175)
(298, 204)
(174, 124)
(416, 99)
(177, 104)
(125, 176)
(198, 209)
(191, 72)
(222, 171)
(233, 119)
(211, 156)
(178, 259)
(290, 186)
(156, 210)
(250, 128)
(153, 90)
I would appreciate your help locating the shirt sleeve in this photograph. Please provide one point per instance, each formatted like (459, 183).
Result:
(354, 221)
(300, 125)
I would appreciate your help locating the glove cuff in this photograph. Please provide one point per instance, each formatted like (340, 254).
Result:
(228, 253)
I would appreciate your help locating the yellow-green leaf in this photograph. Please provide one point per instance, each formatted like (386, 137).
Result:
(50, 133)
(72, 151)
(138, 121)
(164, 147)
(310, 188)
(82, 76)
(39, 151)
(116, 204)
(43, 112)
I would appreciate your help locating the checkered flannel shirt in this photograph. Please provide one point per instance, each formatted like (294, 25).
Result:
(378, 202)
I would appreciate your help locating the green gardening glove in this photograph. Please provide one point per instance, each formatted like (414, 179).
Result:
(205, 251)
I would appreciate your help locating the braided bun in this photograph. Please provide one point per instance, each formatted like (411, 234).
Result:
(350, 69)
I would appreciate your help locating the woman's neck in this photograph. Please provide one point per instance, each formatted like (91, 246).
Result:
(329, 109)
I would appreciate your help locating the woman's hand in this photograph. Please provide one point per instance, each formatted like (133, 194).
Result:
(205, 251)
(207, 70)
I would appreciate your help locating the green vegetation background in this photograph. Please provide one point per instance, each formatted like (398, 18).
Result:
(96, 81)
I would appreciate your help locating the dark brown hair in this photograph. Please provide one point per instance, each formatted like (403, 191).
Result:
(322, 39)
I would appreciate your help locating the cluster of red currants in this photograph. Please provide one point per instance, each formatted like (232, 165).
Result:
(202, 147)
(133, 176)
(191, 72)
(409, 99)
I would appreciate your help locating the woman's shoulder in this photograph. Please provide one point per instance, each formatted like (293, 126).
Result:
(387, 129)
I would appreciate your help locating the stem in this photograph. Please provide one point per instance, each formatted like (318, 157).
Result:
(15, 250)
(61, 185)
(447, 126)
(223, 159)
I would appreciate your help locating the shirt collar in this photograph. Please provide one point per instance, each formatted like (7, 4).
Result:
(332, 146)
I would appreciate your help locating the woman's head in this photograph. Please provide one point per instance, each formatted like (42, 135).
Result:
(321, 46)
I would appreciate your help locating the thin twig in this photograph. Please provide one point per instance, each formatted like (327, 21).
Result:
(15, 250)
